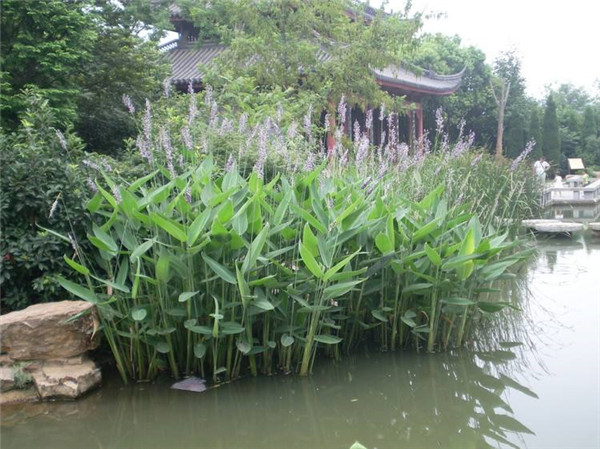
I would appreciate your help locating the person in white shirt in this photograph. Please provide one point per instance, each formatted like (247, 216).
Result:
(540, 168)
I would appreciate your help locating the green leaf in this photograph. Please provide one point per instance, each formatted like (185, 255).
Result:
(77, 267)
(163, 267)
(418, 287)
(139, 314)
(306, 216)
(380, 315)
(310, 240)
(337, 267)
(384, 244)
(433, 255)
(163, 347)
(78, 290)
(183, 297)
(337, 290)
(243, 346)
(458, 301)
(199, 350)
(140, 182)
(310, 262)
(263, 304)
(327, 339)
(141, 250)
(426, 230)
(286, 340)
(220, 270)
(255, 249)
(197, 227)
(493, 307)
(172, 228)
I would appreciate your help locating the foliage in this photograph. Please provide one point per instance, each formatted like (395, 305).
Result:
(309, 48)
(535, 132)
(205, 270)
(46, 44)
(40, 186)
(550, 130)
(473, 101)
(82, 56)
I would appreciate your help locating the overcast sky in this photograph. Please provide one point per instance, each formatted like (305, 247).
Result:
(558, 41)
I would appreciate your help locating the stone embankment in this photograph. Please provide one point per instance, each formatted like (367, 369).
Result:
(44, 352)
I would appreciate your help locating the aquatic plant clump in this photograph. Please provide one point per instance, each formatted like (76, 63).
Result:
(210, 271)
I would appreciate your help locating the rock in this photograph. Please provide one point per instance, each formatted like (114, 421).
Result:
(18, 396)
(57, 380)
(44, 332)
(7, 379)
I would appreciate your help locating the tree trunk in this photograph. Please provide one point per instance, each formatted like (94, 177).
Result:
(501, 102)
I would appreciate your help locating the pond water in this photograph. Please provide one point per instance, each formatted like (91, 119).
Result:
(536, 384)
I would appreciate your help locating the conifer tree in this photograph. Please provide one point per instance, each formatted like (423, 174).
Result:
(535, 133)
(550, 133)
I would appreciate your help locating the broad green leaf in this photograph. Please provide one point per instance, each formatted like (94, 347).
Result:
(163, 267)
(120, 287)
(357, 445)
(263, 304)
(183, 297)
(327, 339)
(77, 267)
(455, 301)
(384, 244)
(140, 182)
(197, 227)
(380, 315)
(139, 314)
(78, 290)
(220, 270)
(310, 240)
(199, 350)
(171, 227)
(426, 229)
(492, 307)
(310, 262)
(141, 250)
(340, 265)
(433, 255)
(306, 216)
(419, 287)
(286, 340)
(243, 346)
(163, 347)
(337, 290)
(255, 249)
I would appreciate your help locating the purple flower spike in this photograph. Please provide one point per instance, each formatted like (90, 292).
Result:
(128, 104)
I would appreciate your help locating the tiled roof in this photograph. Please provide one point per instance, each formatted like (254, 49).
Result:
(185, 64)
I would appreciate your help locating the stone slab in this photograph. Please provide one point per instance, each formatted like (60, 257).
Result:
(49, 331)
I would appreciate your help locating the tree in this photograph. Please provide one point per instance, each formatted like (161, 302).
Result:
(550, 133)
(473, 101)
(309, 49)
(48, 45)
(82, 56)
(535, 133)
(509, 93)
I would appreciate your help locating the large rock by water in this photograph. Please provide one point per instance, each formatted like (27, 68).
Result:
(49, 331)
(57, 380)
(44, 347)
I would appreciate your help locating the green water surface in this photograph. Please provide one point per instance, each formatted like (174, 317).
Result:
(532, 382)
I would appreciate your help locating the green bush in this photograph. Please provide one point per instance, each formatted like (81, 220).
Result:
(41, 187)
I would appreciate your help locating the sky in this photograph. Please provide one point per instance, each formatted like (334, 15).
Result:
(558, 41)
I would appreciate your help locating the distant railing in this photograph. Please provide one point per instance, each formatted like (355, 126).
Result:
(589, 194)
